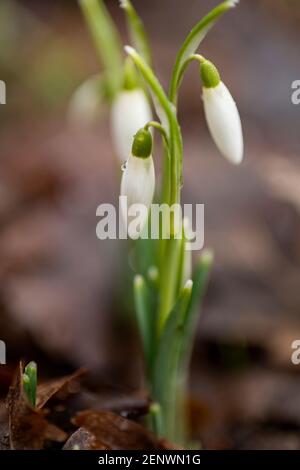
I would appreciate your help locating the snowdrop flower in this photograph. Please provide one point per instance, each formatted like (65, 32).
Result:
(138, 183)
(130, 111)
(221, 114)
(86, 105)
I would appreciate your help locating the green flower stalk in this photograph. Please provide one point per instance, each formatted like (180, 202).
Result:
(167, 292)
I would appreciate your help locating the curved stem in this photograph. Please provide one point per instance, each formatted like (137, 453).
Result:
(167, 115)
(193, 57)
(192, 43)
(160, 128)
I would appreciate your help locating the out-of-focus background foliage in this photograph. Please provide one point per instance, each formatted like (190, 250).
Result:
(61, 294)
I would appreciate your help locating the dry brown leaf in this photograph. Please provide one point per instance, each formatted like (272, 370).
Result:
(82, 439)
(112, 432)
(28, 428)
(59, 388)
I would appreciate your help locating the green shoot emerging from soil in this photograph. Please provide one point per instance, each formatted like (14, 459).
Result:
(30, 382)
(167, 292)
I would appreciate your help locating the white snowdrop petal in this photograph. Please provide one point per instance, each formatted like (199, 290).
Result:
(138, 184)
(130, 111)
(224, 122)
(85, 106)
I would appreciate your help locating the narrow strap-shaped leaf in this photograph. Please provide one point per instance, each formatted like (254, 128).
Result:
(145, 318)
(176, 342)
(137, 31)
(168, 354)
(200, 280)
(185, 262)
(156, 419)
(193, 41)
(169, 279)
(106, 40)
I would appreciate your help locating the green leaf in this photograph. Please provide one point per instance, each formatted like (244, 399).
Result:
(176, 342)
(137, 31)
(200, 281)
(30, 382)
(165, 374)
(169, 279)
(107, 41)
(193, 41)
(145, 317)
(156, 419)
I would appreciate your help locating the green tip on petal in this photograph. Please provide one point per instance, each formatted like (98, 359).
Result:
(142, 144)
(209, 75)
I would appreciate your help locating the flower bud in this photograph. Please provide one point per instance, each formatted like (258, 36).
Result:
(138, 184)
(130, 111)
(142, 144)
(209, 74)
(221, 114)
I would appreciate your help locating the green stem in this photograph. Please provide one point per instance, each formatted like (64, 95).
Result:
(167, 115)
(107, 42)
(145, 319)
(160, 128)
(137, 31)
(168, 276)
(192, 42)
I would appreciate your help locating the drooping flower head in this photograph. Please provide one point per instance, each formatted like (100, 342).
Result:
(138, 182)
(221, 114)
(130, 111)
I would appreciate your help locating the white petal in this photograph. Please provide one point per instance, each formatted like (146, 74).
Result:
(224, 122)
(130, 111)
(138, 184)
(85, 106)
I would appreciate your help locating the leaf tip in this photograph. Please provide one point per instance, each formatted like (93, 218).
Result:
(232, 3)
(138, 281)
(129, 50)
(153, 273)
(123, 4)
(26, 379)
(31, 366)
(188, 285)
(207, 257)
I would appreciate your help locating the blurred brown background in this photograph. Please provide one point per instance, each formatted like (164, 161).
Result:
(58, 298)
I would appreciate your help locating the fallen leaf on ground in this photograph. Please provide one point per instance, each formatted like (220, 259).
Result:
(28, 428)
